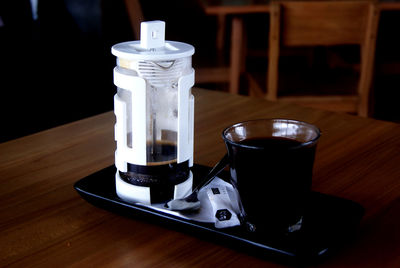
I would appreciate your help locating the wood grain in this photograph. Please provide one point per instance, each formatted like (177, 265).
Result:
(44, 222)
(231, 8)
(323, 22)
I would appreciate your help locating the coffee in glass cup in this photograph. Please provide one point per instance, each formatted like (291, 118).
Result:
(271, 163)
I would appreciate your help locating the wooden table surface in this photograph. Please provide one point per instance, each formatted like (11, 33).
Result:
(45, 223)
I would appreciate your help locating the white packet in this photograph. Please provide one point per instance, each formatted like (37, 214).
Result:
(222, 207)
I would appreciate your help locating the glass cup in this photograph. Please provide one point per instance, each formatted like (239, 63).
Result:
(271, 162)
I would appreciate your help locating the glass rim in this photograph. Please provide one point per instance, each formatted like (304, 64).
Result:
(303, 144)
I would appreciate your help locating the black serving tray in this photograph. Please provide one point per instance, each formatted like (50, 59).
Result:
(329, 222)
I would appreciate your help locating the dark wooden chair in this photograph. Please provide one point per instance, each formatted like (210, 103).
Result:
(325, 23)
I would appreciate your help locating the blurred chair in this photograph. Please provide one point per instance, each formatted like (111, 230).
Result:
(325, 23)
(212, 69)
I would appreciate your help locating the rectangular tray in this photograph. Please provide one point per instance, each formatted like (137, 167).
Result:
(328, 223)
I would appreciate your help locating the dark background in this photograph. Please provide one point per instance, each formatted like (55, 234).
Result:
(58, 68)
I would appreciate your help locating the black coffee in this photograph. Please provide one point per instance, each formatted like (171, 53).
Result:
(273, 179)
(161, 173)
(161, 152)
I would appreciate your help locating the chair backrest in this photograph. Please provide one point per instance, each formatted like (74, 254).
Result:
(324, 22)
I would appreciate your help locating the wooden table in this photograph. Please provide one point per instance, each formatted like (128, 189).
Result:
(238, 8)
(45, 223)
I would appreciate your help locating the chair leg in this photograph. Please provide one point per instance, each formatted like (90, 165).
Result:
(221, 32)
(135, 14)
(273, 54)
(236, 54)
(367, 61)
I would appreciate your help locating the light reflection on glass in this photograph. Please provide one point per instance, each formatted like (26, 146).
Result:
(241, 133)
(272, 128)
(284, 129)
